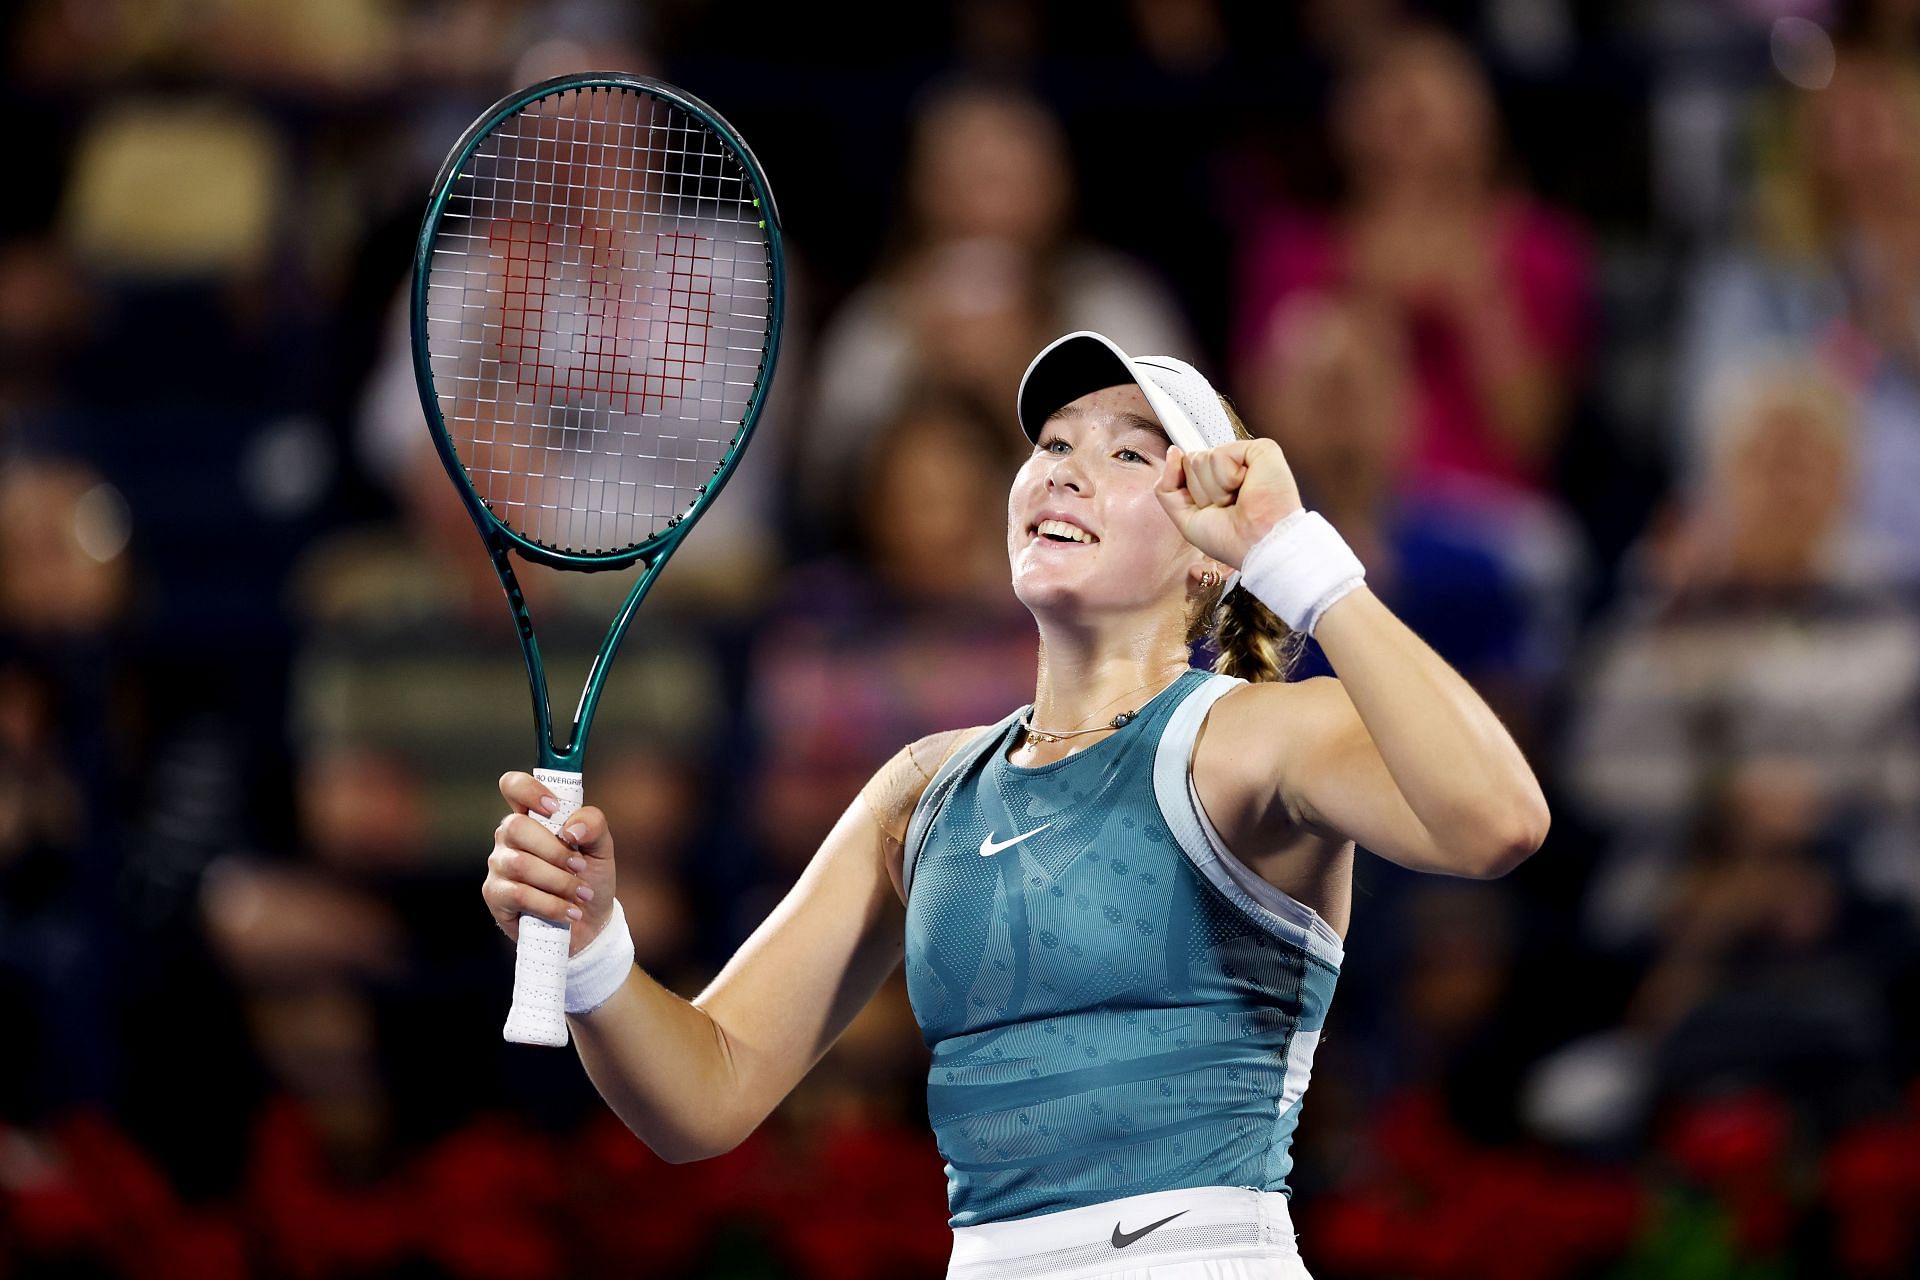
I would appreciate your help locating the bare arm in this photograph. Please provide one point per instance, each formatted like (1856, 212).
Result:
(1398, 754)
(693, 1078)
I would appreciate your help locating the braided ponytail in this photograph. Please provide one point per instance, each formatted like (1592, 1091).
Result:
(1250, 640)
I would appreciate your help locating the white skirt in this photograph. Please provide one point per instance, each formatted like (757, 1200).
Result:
(1200, 1233)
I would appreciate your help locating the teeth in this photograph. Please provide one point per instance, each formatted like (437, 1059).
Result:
(1061, 529)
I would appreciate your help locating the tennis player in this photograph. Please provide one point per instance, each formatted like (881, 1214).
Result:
(1121, 909)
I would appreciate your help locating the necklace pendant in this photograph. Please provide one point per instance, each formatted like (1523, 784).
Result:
(1120, 721)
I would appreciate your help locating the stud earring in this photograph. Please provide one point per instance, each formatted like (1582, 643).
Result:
(1209, 580)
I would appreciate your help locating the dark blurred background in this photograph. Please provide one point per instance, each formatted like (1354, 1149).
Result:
(1595, 327)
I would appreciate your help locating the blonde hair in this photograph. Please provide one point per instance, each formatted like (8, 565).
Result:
(1250, 640)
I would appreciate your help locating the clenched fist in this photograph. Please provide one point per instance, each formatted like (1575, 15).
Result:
(1227, 498)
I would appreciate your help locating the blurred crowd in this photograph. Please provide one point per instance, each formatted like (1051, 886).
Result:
(1594, 328)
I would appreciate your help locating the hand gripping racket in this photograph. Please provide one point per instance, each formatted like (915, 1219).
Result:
(597, 292)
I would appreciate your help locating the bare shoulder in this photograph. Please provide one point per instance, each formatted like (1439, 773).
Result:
(898, 785)
(896, 789)
(1318, 703)
(1253, 732)
(934, 750)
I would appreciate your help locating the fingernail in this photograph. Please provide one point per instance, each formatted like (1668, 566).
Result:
(578, 831)
(576, 865)
(575, 913)
(583, 893)
(549, 805)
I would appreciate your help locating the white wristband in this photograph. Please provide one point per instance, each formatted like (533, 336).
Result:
(1300, 568)
(601, 966)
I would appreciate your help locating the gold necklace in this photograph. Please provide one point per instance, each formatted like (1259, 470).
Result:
(1059, 735)
(1049, 735)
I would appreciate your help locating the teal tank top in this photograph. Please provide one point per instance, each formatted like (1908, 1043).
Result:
(1114, 1003)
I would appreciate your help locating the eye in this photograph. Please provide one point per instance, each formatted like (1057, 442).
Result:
(1052, 444)
(1130, 455)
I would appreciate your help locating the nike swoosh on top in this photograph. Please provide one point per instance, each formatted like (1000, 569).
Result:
(990, 846)
(1121, 1239)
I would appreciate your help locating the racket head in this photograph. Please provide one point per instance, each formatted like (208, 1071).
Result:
(597, 295)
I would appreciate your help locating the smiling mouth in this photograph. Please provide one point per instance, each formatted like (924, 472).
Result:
(1061, 531)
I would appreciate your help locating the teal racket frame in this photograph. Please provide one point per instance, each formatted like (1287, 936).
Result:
(502, 542)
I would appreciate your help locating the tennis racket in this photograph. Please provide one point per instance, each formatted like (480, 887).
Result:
(597, 292)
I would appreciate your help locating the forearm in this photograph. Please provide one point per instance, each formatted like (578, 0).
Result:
(1459, 770)
(662, 1064)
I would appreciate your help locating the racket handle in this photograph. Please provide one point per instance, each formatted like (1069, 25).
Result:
(539, 1013)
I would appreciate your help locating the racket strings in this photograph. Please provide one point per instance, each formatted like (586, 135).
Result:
(599, 306)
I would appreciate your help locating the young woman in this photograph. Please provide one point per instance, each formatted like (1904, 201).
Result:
(1121, 908)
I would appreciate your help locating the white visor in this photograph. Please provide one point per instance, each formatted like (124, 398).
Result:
(1069, 367)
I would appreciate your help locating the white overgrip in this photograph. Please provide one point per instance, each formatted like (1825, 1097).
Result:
(539, 1012)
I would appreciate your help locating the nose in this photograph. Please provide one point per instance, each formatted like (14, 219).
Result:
(1067, 473)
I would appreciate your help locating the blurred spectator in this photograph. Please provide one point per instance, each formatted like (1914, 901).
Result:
(1484, 292)
(1180, 36)
(985, 269)
(1488, 285)
(1333, 387)
(917, 633)
(64, 586)
(1754, 922)
(1743, 728)
(1755, 632)
(1767, 971)
(1831, 269)
(46, 310)
(733, 554)
(64, 533)
(410, 695)
(409, 700)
